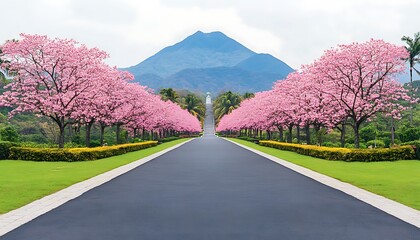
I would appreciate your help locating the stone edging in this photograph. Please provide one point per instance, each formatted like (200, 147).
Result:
(22, 215)
(389, 206)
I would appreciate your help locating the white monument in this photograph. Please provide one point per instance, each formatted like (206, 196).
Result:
(208, 98)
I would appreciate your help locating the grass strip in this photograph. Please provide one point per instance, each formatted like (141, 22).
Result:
(22, 182)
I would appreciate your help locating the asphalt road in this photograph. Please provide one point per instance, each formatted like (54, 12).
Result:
(212, 189)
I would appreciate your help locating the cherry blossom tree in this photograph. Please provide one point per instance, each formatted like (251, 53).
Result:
(353, 82)
(359, 78)
(51, 77)
(108, 94)
(69, 83)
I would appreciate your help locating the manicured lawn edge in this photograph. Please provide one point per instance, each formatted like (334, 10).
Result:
(294, 161)
(22, 182)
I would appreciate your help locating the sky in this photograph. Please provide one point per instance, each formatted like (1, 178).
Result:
(295, 31)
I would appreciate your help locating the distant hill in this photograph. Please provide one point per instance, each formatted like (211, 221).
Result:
(405, 77)
(210, 62)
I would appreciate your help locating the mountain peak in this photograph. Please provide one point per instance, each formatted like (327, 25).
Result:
(210, 61)
(199, 50)
(214, 41)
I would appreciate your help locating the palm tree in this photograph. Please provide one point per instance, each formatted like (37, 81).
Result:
(248, 95)
(168, 94)
(413, 47)
(225, 104)
(194, 105)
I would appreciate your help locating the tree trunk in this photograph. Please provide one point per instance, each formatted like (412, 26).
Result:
(308, 134)
(411, 94)
(356, 135)
(61, 136)
(318, 136)
(289, 136)
(118, 133)
(280, 133)
(101, 136)
(392, 132)
(143, 133)
(298, 133)
(88, 128)
(343, 134)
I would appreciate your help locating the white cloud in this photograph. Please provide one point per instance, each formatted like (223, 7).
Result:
(295, 31)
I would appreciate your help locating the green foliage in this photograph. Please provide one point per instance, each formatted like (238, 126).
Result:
(136, 140)
(33, 138)
(194, 105)
(169, 139)
(187, 100)
(168, 94)
(413, 47)
(407, 134)
(378, 143)
(330, 144)
(225, 103)
(249, 139)
(77, 139)
(351, 145)
(9, 133)
(75, 154)
(5, 149)
(345, 154)
(3, 119)
(248, 95)
(416, 145)
(368, 133)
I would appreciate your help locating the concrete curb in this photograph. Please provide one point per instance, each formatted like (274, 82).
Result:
(20, 216)
(391, 207)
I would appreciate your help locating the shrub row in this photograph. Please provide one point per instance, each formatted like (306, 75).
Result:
(5, 149)
(345, 154)
(75, 154)
(416, 145)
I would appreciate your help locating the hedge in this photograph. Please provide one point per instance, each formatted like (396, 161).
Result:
(5, 149)
(75, 154)
(416, 145)
(345, 154)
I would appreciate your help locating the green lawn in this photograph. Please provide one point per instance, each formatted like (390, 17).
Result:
(22, 182)
(398, 180)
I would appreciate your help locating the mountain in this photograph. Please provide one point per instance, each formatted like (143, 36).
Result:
(210, 62)
(221, 79)
(264, 63)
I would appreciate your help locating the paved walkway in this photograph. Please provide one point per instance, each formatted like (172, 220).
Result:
(213, 189)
